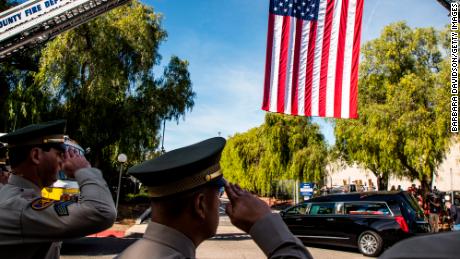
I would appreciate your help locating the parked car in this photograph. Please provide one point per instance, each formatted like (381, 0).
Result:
(370, 221)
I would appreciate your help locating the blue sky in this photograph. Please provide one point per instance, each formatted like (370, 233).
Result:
(224, 42)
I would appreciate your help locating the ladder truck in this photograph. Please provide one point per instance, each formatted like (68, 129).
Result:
(37, 21)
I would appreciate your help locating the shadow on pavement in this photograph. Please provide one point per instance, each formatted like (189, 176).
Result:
(98, 245)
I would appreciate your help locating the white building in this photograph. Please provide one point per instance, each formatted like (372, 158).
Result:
(447, 176)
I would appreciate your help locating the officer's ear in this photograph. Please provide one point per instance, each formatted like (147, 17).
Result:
(35, 154)
(199, 205)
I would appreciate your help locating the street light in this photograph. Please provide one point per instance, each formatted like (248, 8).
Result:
(122, 158)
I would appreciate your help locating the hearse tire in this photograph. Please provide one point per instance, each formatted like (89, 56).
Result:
(370, 243)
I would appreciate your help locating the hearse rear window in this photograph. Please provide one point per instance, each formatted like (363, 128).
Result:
(300, 209)
(322, 208)
(366, 208)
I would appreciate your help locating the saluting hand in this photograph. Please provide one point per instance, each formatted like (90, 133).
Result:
(244, 208)
(73, 161)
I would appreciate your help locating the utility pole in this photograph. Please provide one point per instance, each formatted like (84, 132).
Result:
(451, 186)
(163, 137)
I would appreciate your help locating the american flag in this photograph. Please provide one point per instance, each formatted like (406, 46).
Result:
(313, 57)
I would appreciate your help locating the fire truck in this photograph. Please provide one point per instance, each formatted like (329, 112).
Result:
(37, 21)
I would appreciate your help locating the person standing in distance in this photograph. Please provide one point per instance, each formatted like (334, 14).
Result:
(185, 185)
(32, 226)
(4, 172)
(454, 212)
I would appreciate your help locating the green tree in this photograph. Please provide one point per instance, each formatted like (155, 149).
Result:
(16, 74)
(284, 147)
(403, 106)
(99, 76)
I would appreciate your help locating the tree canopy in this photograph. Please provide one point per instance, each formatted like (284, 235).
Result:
(99, 76)
(284, 147)
(403, 107)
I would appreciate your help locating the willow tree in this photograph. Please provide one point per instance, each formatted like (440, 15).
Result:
(284, 147)
(403, 106)
(16, 72)
(99, 76)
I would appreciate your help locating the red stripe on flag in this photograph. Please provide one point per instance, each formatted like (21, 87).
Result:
(268, 63)
(295, 72)
(325, 57)
(340, 60)
(355, 62)
(309, 72)
(283, 63)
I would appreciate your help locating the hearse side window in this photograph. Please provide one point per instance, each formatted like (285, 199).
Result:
(339, 208)
(366, 208)
(300, 209)
(322, 208)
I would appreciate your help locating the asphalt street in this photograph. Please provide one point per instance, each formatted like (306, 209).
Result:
(229, 243)
(222, 247)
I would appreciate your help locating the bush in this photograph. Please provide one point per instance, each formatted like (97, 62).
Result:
(137, 198)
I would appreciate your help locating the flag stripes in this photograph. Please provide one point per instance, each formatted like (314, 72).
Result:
(312, 65)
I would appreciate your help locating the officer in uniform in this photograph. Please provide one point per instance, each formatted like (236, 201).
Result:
(443, 245)
(185, 185)
(32, 226)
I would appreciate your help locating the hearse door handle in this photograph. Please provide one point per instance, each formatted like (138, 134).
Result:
(298, 219)
(330, 219)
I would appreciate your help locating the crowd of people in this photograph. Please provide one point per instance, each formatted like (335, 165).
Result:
(440, 209)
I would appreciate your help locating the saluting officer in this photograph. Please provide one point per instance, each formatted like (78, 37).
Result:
(32, 226)
(185, 185)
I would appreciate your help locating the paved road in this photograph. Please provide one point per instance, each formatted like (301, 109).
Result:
(229, 243)
(224, 248)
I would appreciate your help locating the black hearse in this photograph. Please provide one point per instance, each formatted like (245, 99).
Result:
(370, 221)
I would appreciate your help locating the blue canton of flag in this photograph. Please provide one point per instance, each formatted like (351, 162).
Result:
(301, 9)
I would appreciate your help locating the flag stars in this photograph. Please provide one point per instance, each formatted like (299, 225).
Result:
(302, 9)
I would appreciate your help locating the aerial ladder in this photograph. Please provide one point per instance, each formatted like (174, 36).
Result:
(37, 21)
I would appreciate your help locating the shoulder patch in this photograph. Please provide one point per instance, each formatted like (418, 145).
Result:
(41, 203)
(61, 207)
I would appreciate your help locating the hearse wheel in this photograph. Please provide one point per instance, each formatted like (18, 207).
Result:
(370, 243)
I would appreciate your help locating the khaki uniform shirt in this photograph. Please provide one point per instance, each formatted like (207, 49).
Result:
(160, 241)
(30, 226)
(270, 234)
